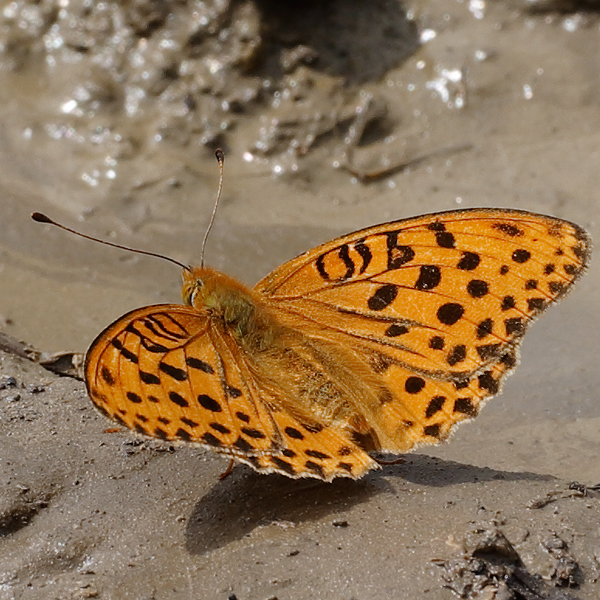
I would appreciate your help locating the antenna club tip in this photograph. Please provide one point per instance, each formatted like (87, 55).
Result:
(220, 155)
(41, 218)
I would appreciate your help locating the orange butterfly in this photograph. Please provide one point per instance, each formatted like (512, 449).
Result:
(378, 341)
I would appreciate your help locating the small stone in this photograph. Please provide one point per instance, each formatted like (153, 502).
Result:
(6, 381)
(340, 523)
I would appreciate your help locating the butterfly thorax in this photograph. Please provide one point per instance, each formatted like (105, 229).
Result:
(229, 304)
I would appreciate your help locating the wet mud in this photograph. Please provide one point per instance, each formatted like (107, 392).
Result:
(333, 116)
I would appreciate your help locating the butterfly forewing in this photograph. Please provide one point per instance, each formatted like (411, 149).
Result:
(157, 371)
(448, 292)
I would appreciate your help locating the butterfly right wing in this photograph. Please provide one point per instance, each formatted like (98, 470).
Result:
(156, 371)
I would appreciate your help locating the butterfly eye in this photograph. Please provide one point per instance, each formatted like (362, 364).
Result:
(195, 289)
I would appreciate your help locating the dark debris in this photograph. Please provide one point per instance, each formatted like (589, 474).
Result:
(493, 565)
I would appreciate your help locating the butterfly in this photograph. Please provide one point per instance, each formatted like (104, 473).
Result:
(379, 341)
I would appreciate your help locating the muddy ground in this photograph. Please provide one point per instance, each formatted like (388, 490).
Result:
(334, 116)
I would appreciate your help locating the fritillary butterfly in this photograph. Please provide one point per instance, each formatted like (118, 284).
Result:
(382, 340)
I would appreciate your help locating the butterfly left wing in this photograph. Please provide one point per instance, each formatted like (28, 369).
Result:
(156, 370)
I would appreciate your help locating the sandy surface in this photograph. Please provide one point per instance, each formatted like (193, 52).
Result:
(108, 128)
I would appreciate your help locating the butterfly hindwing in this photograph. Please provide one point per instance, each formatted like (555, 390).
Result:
(156, 370)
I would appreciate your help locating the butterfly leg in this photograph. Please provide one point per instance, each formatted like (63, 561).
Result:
(227, 472)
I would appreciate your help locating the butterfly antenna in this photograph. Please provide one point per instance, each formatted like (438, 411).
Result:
(41, 218)
(221, 158)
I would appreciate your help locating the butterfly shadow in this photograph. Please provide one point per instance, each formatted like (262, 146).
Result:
(431, 471)
(245, 500)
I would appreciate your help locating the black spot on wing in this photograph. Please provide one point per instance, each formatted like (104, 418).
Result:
(220, 428)
(487, 382)
(174, 372)
(184, 435)
(253, 433)
(211, 440)
(469, 261)
(294, 433)
(242, 416)
(395, 330)
(178, 399)
(344, 255)
(465, 406)
(514, 326)
(558, 288)
(365, 253)
(571, 269)
(450, 313)
(429, 277)
(508, 229)
(232, 392)
(209, 403)
(382, 297)
(199, 365)
(484, 328)
(508, 302)
(149, 378)
(521, 256)
(315, 468)
(435, 405)
(107, 376)
(436, 343)
(436, 226)
(242, 444)
(141, 430)
(160, 433)
(316, 454)
(397, 255)
(414, 385)
(487, 351)
(133, 397)
(457, 355)
(445, 239)
(536, 304)
(432, 430)
(283, 465)
(477, 288)
(531, 284)
(125, 353)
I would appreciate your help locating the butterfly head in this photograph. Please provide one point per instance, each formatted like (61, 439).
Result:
(200, 288)
(221, 296)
